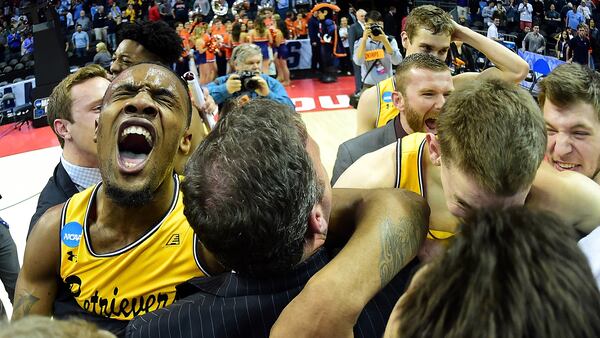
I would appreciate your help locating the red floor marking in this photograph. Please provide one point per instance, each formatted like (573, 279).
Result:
(311, 95)
(308, 95)
(14, 141)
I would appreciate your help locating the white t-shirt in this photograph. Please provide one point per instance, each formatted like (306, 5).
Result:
(590, 245)
(525, 12)
(492, 32)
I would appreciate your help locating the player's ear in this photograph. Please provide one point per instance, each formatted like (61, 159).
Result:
(398, 100)
(434, 149)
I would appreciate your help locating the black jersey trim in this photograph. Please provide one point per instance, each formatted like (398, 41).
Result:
(197, 259)
(140, 240)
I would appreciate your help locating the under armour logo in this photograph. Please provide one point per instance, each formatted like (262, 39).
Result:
(72, 257)
(174, 240)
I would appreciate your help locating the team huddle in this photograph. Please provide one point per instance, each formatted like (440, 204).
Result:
(455, 212)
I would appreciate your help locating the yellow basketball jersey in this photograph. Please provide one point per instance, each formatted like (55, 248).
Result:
(385, 106)
(133, 280)
(409, 171)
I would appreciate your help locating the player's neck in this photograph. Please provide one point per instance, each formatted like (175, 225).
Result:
(133, 221)
(78, 157)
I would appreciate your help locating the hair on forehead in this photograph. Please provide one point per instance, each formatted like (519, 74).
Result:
(169, 70)
(431, 18)
(417, 61)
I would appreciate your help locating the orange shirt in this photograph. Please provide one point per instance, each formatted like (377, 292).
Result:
(222, 31)
(301, 27)
(289, 24)
(185, 37)
(227, 45)
(204, 41)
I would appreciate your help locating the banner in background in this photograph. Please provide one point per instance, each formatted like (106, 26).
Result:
(299, 55)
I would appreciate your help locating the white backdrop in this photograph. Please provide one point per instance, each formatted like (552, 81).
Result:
(300, 54)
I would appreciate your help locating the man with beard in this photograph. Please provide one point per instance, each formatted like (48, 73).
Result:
(124, 244)
(487, 152)
(424, 82)
(146, 43)
(429, 29)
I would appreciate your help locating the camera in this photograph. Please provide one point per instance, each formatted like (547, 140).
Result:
(248, 83)
(376, 30)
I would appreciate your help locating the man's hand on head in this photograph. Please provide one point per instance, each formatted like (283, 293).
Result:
(233, 84)
(263, 86)
(459, 33)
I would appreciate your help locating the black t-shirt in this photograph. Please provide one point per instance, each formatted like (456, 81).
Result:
(181, 12)
(580, 48)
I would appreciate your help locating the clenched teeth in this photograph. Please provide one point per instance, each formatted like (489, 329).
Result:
(566, 165)
(139, 131)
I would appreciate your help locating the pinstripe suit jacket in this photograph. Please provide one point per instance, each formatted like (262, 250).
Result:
(232, 305)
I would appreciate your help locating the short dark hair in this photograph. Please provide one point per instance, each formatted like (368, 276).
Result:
(509, 273)
(374, 16)
(250, 186)
(157, 37)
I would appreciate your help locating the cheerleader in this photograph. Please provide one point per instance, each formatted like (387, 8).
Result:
(301, 26)
(218, 33)
(243, 33)
(204, 55)
(290, 25)
(283, 73)
(261, 37)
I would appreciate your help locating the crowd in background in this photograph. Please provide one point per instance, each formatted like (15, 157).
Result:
(543, 27)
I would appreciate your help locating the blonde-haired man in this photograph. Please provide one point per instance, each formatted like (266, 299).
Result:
(73, 108)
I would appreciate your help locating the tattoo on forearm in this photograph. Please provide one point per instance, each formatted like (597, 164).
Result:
(24, 303)
(398, 244)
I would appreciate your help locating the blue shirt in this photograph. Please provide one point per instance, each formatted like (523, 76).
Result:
(218, 90)
(80, 39)
(574, 18)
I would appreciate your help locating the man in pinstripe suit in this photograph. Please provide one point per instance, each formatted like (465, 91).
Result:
(262, 206)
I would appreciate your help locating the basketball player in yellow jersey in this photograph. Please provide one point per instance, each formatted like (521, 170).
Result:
(429, 29)
(490, 143)
(119, 249)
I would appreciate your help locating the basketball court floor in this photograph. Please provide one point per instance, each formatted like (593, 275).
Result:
(28, 156)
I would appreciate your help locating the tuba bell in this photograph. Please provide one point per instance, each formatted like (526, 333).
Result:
(239, 5)
(219, 7)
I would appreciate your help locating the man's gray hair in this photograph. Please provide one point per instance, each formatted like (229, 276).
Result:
(244, 51)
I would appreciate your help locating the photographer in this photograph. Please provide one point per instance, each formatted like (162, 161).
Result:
(375, 52)
(247, 79)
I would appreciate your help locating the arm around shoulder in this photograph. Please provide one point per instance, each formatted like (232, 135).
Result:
(372, 170)
(390, 226)
(37, 282)
(572, 196)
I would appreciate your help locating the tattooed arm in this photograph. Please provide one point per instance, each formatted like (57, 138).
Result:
(389, 226)
(36, 285)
